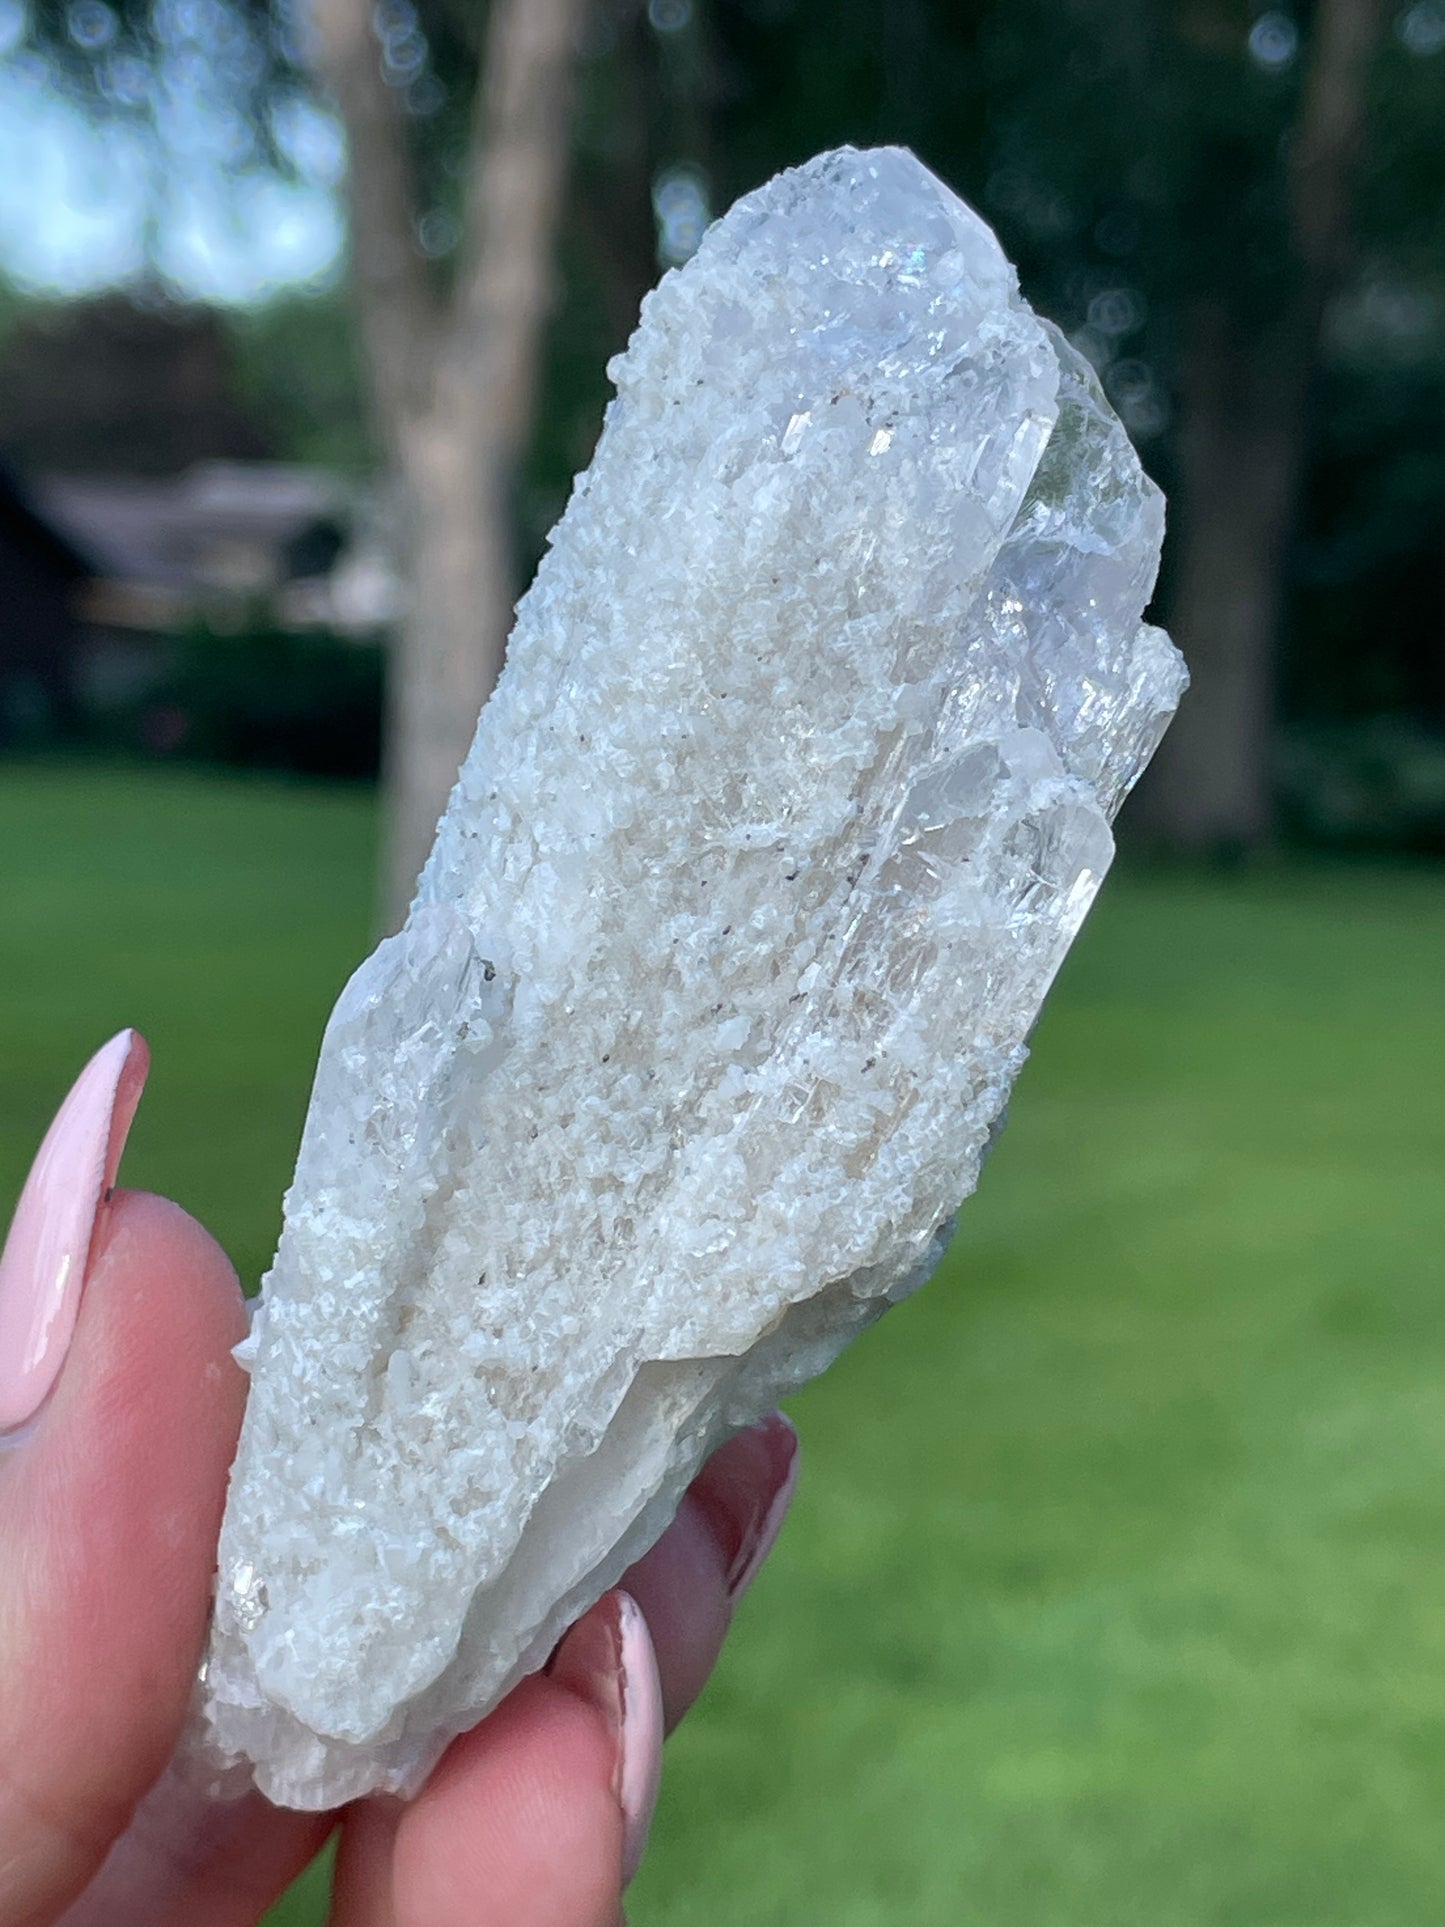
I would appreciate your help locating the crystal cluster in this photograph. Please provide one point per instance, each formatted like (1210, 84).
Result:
(795, 790)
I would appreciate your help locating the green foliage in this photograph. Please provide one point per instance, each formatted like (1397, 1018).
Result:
(1373, 785)
(13, 306)
(1133, 155)
(297, 375)
(1362, 643)
(1113, 1591)
(246, 64)
(120, 58)
(263, 698)
(258, 697)
(1134, 159)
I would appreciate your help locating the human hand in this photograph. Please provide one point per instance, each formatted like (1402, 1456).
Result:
(119, 1410)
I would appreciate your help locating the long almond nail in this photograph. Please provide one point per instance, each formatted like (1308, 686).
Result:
(639, 1758)
(43, 1266)
(608, 1658)
(745, 1490)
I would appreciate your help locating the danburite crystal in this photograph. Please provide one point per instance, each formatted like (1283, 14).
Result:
(793, 794)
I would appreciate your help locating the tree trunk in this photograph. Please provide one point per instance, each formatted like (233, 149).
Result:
(1243, 447)
(398, 313)
(448, 651)
(459, 459)
(1240, 449)
(452, 385)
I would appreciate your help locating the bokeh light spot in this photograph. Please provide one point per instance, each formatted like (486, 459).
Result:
(91, 24)
(679, 200)
(438, 232)
(670, 16)
(1273, 41)
(1117, 311)
(1421, 28)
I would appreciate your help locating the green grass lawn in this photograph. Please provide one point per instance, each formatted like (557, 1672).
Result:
(1115, 1588)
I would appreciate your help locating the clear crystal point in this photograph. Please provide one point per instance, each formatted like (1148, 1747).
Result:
(793, 794)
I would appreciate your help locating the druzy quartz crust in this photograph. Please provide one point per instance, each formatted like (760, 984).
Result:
(792, 796)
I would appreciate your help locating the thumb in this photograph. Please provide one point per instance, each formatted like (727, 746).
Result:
(119, 1408)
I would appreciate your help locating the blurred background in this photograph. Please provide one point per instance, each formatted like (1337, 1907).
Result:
(1115, 1590)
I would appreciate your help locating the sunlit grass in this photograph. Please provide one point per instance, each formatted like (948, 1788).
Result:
(1115, 1589)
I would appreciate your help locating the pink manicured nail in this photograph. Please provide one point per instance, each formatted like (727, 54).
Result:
(43, 1266)
(759, 1542)
(639, 1754)
(744, 1491)
(608, 1659)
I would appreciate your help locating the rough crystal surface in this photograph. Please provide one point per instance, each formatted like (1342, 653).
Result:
(795, 790)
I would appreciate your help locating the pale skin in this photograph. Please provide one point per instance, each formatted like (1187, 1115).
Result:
(109, 1507)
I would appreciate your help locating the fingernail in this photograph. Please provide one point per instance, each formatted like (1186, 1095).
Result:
(608, 1659)
(745, 1492)
(639, 1752)
(43, 1266)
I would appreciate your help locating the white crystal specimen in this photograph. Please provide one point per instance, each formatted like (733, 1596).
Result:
(795, 790)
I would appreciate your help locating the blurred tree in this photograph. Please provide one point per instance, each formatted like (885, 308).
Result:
(452, 376)
(450, 353)
(1174, 179)
(1245, 389)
